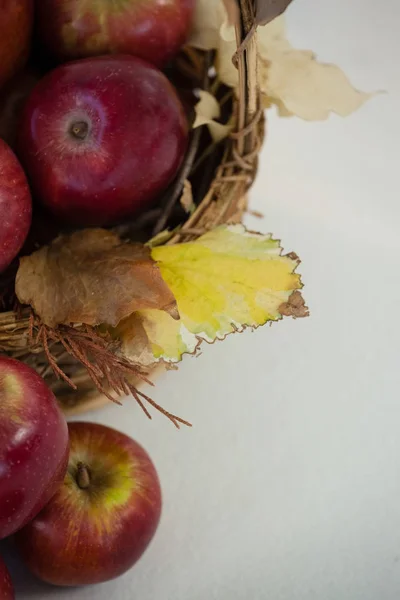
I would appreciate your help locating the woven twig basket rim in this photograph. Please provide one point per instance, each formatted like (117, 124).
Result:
(225, 201)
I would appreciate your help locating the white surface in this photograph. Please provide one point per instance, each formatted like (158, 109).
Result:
(288, 486)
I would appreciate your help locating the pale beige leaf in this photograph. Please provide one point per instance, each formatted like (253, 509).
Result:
(92, 277)
(226, 70)
(186, 199)
(272, 39)
(291, 79)
(207, 110)
(302, 86)
(232, 10)
(208, 18)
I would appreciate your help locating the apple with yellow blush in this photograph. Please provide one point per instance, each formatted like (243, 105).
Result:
(103, 517)
(153, 30)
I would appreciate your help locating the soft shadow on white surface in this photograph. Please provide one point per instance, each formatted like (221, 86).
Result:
(287, 487)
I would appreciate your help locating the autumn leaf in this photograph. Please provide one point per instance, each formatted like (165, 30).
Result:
(225, 281)
(150, 335)
(291, 79)
(207, 110)
(92, 277)
(298, 84)
(208, 18)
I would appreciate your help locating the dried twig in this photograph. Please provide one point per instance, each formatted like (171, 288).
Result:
(173, 418)
(109, 371)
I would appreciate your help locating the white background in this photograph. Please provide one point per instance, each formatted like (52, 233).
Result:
(288, 485)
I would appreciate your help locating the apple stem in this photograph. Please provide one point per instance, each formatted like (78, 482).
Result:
(82, 476)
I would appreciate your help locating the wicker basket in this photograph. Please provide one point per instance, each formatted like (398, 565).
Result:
(227, 172)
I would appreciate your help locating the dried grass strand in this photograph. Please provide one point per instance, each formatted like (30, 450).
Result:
(108, 371)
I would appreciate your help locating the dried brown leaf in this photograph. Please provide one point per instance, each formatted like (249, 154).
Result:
(295, 306)
(92, 277)
(136, 345)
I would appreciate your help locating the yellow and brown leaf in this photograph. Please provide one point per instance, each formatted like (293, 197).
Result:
(160, 303)
(225, 281)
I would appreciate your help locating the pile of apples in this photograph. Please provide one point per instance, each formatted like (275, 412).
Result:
(81, 500)
(93, 131)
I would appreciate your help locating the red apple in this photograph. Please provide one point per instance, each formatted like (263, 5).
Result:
(151, 29)
(33, 445)
(15, 206)
(101, 137)
(16, 20)
(104, 516)
(6, 586)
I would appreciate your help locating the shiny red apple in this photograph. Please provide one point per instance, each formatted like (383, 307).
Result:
(6, 586)
(33, 445)
(101, 138)
(151, 29)
(16, 20)
(15, 206)
(104, 516)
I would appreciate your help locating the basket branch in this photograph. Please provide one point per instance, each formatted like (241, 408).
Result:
(78, 357)
(249, 94)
